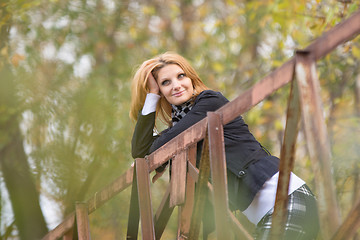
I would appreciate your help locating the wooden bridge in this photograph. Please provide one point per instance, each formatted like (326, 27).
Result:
(304, 101)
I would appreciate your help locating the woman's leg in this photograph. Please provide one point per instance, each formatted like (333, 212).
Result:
(302, 222)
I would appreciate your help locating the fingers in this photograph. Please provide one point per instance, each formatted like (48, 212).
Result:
(157, 176)
(152, 84)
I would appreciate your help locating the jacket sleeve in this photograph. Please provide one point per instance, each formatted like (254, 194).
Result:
(143, 135)
(207, 101)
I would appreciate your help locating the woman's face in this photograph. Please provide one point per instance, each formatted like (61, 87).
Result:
(176, 87)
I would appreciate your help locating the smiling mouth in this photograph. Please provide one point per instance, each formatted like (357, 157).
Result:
(178, 94)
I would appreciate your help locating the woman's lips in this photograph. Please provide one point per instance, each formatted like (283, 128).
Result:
(178, 94)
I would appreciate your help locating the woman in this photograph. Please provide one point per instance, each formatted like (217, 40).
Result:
(168, 88)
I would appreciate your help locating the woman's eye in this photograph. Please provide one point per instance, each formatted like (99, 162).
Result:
(181, 75)
(166, 82)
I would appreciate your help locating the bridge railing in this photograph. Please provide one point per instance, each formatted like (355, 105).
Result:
(304, 102)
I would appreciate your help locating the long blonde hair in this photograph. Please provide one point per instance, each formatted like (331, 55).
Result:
(139, 87)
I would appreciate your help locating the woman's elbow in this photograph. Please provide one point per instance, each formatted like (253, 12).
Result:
(135, 153)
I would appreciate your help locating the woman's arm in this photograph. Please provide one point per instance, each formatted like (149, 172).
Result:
(207, 101)
(143, 133)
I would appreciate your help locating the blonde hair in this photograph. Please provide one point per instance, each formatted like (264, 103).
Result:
(139, 87)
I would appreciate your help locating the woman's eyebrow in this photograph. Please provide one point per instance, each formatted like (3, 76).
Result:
(176, 74)
(163, 79)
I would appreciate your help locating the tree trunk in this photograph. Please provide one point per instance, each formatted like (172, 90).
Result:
(23, 195)
(15, 169)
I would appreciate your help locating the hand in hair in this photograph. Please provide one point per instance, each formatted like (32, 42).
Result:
(152, 84)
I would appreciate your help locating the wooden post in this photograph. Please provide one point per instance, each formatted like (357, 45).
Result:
(143, 186)
(69, 235)
(82, 221)
(287, 159)
(185, 211)
(317, 141)
(178, 179)
(134, 212)
(218, 175)
(201, 191)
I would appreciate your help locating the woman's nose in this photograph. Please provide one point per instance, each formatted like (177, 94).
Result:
(176, 85)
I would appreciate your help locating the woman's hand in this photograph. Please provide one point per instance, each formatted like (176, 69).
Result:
(157, 176)
(152, 84)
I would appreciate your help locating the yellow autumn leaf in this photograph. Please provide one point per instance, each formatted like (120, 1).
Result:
(267, 105)
(218, 67)
(277, 63)
(278, 125)
(149, 10)
(231, 3)
(356, 51)
(4, 51)
(16, 59)
(346, 48)
(133, 32)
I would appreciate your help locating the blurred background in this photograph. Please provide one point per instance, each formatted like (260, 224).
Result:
(65, 72)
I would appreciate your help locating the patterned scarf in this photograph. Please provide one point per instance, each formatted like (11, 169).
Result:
(178, 112)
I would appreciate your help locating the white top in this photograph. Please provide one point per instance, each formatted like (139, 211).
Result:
(150, 103)
(264, 200)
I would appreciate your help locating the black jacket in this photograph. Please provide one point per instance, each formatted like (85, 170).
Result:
(250, 164)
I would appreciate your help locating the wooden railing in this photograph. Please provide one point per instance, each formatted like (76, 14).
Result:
(304, 101)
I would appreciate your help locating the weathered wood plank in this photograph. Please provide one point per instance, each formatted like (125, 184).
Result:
(317, 142)
(287, 159)
(185, 211)
(82, 221)
(178, 179)
(218, 175)
(143, 186)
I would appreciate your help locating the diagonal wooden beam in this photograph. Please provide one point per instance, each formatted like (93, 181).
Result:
(317, 142)
(238, 229)
(163, 214)
(61, 229)
(350, 225)
(201, 192)
(287, 159)
(105, 194)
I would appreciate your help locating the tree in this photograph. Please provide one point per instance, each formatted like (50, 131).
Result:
(15, 169)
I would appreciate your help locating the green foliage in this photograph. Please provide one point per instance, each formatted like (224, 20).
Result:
(73, 61)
